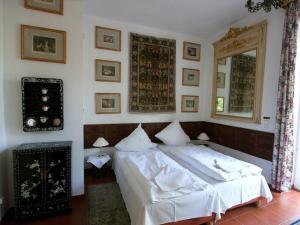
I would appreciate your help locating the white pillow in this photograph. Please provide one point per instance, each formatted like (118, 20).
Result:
(173, 134)
(138, 140)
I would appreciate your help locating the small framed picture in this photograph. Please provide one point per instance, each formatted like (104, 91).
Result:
(191, 51)
(222, 61)
(43, 44)
(109, 71)
(190, 77)
(108, 103)
(107, 38)
(50, 6)
(220, 104)
(221, 80)
(189, 103)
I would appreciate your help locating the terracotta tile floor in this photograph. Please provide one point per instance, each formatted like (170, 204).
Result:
(283, 210)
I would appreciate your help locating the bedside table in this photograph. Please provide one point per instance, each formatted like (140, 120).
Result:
(101, 164)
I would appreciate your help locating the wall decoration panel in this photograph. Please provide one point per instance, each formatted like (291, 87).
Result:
(152, 74)
(253, 142)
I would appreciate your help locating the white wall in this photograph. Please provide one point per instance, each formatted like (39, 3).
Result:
(92, 86)
(2, 131)
(71, 73)
(272, 64)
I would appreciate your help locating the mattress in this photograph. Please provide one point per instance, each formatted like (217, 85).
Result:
(233, 192)
(143, 212)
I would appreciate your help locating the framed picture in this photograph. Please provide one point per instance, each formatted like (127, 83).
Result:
(191, 51)
(109, 71)
(107, 103)
(221, 80)
(189, 103)
(107, 38)
(190, 77)
(220, 104)
(222, 61)
(43, 44)
(51, 6)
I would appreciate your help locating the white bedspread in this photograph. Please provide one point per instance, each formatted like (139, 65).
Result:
(142, 211)
(233, 192)
(214, 164)
(162, 177)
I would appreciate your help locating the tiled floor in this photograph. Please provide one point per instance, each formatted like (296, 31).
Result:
(283, 210)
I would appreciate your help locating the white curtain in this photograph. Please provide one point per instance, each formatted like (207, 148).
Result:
(297, 116)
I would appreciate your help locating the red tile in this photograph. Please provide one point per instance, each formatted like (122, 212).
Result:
(249, 219)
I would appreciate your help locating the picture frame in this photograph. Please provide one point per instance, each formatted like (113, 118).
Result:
(220, 104)
(108, 38)
(49, 6)
(108, 103)
(189, 103)
(107, 70)
(190, 77)
(222, 61)
(43, 44)
(191, 51)
(221, 80)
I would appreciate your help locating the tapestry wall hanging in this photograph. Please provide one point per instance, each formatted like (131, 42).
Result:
(242, 83)
(152, 74)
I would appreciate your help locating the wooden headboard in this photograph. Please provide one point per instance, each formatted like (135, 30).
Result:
(256, 143)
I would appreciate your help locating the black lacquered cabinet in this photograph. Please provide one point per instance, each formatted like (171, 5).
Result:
(42, 179)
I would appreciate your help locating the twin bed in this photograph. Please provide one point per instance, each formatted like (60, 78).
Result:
(182, 184)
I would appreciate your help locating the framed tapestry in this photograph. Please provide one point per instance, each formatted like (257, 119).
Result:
(189, 103)
(43, 44)
(109, 71)
(152, 74)
(243, 70)
(50, 6)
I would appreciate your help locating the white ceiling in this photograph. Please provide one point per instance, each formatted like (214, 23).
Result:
(195, 17)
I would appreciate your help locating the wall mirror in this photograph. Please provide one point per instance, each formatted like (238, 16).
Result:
(238, 74)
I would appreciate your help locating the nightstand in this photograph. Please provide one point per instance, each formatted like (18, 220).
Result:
(101, 164)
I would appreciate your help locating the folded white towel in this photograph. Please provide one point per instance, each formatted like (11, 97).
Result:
(230, 166)
(98, 161)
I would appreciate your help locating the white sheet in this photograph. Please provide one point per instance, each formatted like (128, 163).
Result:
(143, 212)
(155, 171)
(233, 192)
(214, 164)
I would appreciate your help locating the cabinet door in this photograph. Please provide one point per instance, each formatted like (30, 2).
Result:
(58, 180)
(29, 191)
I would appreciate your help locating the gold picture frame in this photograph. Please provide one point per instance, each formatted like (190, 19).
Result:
(189, 103)
(107, 70)
(43, 44)
(49, 6)
(191, 51)
(108, 103)
(190, 77)
(108, 38)
(221, 80)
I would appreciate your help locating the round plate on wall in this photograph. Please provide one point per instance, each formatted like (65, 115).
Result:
(30, 122)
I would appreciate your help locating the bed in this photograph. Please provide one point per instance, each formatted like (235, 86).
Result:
(184, 209)
(234, 191)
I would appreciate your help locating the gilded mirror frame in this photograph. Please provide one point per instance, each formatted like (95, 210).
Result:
(239, 40)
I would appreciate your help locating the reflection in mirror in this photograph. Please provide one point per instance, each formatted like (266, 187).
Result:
(239, 59)
(236, 85)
